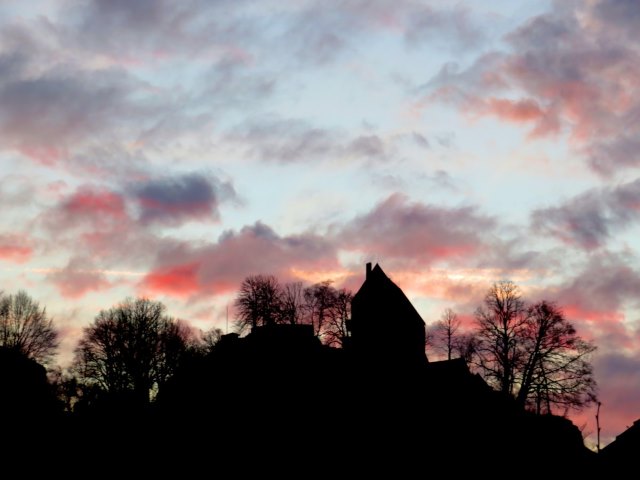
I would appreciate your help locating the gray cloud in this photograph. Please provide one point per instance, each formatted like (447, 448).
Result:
(622, 16)
(421, 140)
(367, 146)
(159, 28)
(69, 84)
(292, 140)
(606, 283)
(590, 219)
(51, 112)
(576, 71)
(221, 266)
(454, 28)
(115, 225)
(78, 278)
(174, 200)
(236, 83)
(284, 140)
(69, 87)
(410, 233)
(315, 33)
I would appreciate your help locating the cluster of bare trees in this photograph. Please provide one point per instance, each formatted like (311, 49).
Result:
(530, 352)
(26, 328)
(132, 348)
(262, 300)
(448, 338)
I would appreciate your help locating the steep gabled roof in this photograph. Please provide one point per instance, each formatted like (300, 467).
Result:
(626, 445)
(378, 286)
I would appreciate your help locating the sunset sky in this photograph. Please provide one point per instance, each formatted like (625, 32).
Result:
(171, 148)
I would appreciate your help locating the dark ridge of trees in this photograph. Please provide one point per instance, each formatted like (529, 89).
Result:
(26, 328)
(147, 388)
(25, 393)
(262, 300)
(258, 302)
(131, 349)
(208, 341)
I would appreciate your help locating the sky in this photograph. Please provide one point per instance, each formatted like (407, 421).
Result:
(169, 149)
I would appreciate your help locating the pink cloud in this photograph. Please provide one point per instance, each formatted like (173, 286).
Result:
(175, 281)
(94, 222)
(15, 248)
(590, 219)
(220, 267)
(78, 278)
(89, 207)
(46, 154)
(399, 230)
(525, 110)
(96, 203)
(573, 76)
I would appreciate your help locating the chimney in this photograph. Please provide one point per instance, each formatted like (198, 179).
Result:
(368, 271)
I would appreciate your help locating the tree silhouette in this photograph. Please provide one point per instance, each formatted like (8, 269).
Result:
(335, 328)
(447, 332)
(500, 325)
(555, 362)
(262, 300)
(258, 302)
(292, 303)
(465, 347)
(26, 328)
(133, 348)
(319, 300)
(210, 339)
(532, 353)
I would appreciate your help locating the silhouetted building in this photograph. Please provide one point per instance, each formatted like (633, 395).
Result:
(384, 326)
(24, 390)
(280, 398)
(623, 451)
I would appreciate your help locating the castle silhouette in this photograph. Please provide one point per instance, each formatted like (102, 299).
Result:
(280, 400)
(379, 393)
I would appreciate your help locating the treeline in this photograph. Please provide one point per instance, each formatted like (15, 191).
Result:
(262, 300)
(132, 350)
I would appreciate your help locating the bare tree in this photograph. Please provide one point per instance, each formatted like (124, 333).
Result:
(335, 328)
(258, 302)
(66, 387)
(132, 348)
(447, 332)
(292, 303)
(500, 325)
(533, 353)
(555, 367)
(210, 339)
(25, 327)
(319, 300)
(465, 346)
(263, 301)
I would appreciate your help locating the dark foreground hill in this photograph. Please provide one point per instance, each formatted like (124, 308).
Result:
(279, 402)
(281, 397)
